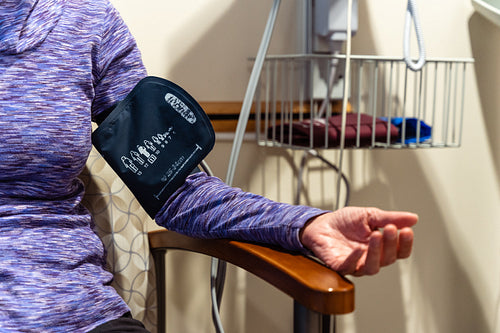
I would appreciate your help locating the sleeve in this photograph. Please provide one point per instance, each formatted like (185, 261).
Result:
(117, 63)
(205, 207)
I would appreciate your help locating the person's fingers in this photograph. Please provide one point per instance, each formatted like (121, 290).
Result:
(405, 243)
(389, 245)
(378, 218)
(372, 261)
(350, 264)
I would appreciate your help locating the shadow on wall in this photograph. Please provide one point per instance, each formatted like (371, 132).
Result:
(441, 297)
(485, 41)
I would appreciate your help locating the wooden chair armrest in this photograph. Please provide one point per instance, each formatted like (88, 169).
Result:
(304, 279)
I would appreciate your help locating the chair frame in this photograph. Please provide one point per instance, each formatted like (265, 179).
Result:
(317, 290)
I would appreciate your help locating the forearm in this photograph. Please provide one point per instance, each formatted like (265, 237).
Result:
(205, 207)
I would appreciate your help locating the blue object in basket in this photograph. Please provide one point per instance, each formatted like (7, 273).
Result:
(411, 125)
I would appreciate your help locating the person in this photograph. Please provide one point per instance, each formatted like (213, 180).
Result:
(63, 63)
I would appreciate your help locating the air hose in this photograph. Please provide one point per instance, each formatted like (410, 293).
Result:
(411, 15)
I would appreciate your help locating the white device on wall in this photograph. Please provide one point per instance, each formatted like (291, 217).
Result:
(323, 30)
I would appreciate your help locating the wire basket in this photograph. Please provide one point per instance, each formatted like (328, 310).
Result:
(298, 102)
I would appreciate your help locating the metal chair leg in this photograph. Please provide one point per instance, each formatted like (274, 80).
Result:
(161, 285)
(307, 321)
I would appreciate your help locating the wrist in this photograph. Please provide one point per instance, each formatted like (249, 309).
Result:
(304, 232)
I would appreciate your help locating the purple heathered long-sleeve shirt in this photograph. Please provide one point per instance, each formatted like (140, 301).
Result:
(61, 63)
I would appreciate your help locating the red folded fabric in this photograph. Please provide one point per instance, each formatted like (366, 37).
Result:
(301, 132)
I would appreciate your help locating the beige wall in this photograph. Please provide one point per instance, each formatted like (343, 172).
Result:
(451, 283)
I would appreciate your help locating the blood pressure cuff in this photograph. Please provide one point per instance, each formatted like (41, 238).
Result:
(153, 139)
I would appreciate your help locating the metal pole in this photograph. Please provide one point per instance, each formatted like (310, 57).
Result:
(308, 321)
(250, 92)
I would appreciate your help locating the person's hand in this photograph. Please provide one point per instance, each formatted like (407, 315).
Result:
(359, 241)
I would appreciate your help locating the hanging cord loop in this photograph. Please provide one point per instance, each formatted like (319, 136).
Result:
(411, 14)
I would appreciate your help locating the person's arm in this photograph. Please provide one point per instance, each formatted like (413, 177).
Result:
(352, 240)
(117, 64)
(205, 207)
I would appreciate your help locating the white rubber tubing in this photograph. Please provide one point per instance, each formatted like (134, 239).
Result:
(411, 15)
